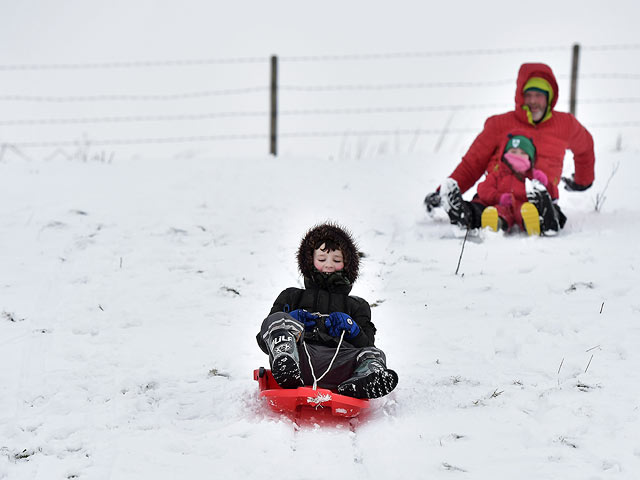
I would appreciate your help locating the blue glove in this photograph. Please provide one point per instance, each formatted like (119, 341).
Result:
(309, 319)
(338, 321)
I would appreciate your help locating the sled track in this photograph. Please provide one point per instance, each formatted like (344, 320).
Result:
(345, 433)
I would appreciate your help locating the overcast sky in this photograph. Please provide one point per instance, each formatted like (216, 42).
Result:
(76, 30)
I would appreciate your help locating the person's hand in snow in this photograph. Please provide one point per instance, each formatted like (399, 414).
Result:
(432, 200)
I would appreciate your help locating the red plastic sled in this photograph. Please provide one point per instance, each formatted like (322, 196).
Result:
(305, 401)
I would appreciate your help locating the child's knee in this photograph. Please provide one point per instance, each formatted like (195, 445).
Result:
(282, 320)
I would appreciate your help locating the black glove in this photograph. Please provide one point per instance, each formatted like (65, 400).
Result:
(432, 201)
(572, 186)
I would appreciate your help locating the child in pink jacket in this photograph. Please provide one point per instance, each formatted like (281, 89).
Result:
(504, 193)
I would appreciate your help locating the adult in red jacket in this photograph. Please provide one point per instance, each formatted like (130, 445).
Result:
(552, 132)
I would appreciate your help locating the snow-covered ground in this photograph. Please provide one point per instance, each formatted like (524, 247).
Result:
(131, 292)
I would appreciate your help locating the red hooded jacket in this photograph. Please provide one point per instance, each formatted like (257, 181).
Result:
(552, 137)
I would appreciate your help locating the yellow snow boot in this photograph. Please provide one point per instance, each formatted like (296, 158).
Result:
(490, 218)
(531, 218)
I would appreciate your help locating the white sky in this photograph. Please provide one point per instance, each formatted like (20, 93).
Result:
(74, 30)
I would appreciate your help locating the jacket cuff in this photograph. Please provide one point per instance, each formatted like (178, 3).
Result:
(360, 340)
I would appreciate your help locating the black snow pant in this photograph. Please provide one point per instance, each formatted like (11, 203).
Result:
(475, 209)
(315, 359)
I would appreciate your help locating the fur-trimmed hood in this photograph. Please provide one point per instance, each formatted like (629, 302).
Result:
(335, 237)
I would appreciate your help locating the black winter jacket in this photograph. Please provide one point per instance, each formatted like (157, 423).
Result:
(327, 294)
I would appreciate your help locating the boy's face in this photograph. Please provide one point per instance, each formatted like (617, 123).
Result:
(327, 261)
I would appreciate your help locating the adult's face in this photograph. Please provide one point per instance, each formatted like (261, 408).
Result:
(537, 103)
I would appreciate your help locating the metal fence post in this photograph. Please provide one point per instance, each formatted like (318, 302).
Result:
(273, 131)
(575, 59)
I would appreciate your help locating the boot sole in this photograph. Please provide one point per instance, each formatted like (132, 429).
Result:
(375, 385)
(530, 218)
(286, 371)
(490, 218)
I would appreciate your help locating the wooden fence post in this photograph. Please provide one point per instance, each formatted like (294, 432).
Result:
(273, 131)
(575, 59)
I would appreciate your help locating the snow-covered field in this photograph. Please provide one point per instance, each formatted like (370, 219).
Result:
(131, 291)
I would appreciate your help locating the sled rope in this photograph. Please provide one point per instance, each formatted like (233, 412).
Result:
(313, 374)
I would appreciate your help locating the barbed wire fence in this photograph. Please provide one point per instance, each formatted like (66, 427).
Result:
(12, 138)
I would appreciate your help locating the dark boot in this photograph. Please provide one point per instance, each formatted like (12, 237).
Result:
(458, 210)
(284, 359)
(562, 218)
(371, 379)
(538, 195)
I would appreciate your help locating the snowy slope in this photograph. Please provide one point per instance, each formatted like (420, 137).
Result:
(131, 291)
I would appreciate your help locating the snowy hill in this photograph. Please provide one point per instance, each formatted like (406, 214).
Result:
(131, 292)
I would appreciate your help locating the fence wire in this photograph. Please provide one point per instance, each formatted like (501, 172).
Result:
(293, 88)
(416, 55)
(264, 113)
(132, 98)
(262, 136)
(198, 62)
(134, 64)
(286, 113)
(289, 88)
